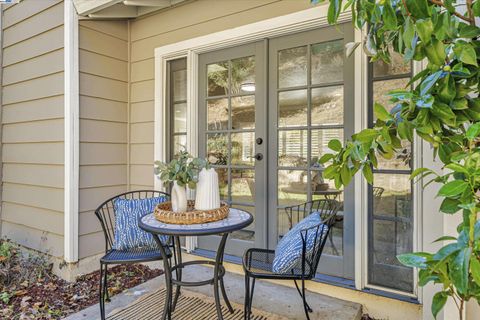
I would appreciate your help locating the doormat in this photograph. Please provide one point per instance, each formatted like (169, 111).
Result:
(190, 306)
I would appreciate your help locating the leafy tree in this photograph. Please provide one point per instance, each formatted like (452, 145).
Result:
(441, 106)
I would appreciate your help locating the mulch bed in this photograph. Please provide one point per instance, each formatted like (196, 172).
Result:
(29, 289)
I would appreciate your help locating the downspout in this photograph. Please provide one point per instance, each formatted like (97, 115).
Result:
(72, 132)
(1, 120)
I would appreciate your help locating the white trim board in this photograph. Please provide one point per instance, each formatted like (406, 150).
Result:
(71, 101)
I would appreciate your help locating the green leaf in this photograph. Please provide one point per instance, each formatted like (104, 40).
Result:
(325, 158)
(415, 260)
(453, 188)
(429, 82)
(419, 171)
(449, 206)
(475, 269)
(459, 272)
(465, 53)
(436, 52)
(438, 302)
(476, 8)
(418, 8)
(445, 238)
(425, 29)
(368, 174)
(381, 113)
(346, 175)
(389, 17)
(366, 135)
(334, 11)
(473, 131)
(408, 32)
(335, 145)
(446, 251)
(456, 167)
(468, 31)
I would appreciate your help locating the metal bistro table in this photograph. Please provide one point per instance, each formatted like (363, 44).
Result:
(236, 220)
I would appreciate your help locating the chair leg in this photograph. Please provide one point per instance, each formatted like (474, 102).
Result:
(305, 304)
(247, 297)
(107, 295)
(302, 295)
(100, 294)
(251, 300)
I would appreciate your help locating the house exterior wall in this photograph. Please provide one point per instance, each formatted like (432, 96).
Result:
(33, 125)
(103, 64)
(187, 21)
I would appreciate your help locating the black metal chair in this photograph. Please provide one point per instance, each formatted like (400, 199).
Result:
(257, 263)
(106, 214)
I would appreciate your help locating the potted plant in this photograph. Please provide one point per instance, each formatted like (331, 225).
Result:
(183, 171)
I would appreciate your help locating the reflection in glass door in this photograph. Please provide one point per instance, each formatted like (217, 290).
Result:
(311, 103)
(231, 111)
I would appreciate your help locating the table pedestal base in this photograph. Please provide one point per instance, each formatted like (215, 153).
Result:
(216, 280)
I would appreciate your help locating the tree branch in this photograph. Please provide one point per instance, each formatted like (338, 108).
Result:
(461, 16)
(406, 8)
(470, 12)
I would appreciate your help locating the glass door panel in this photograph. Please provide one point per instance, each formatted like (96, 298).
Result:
(230, 121)
(311, 103)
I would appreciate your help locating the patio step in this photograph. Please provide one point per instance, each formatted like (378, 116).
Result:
(278, 299)
(271, 301)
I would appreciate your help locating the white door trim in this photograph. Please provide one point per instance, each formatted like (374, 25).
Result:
(71, 160)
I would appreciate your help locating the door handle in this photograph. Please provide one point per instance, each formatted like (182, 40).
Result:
(257, 156)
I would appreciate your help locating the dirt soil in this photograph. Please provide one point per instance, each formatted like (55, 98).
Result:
(29, 289)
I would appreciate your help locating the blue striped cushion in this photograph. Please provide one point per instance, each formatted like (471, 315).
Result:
(128, 234)
(288, 254)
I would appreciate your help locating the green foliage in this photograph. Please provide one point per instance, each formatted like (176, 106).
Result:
(441, 107)
(183, 169)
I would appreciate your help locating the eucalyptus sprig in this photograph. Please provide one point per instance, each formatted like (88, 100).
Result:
(183, 169)
(442, 107)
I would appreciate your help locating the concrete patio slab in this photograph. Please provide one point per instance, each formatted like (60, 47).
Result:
(269, 297)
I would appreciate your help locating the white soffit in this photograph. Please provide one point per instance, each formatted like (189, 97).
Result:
(120, 9)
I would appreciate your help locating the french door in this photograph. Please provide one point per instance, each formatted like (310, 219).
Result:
(232, 136)
(267, 111)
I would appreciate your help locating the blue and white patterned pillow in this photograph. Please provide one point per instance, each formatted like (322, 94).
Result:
(128, 234)
(288, 254)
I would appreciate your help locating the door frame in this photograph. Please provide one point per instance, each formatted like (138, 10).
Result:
(315, 17)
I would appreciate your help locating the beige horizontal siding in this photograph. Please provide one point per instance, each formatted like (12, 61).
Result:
(34, 25)
(33, 217)
(34, 174)
(35, 196)
(50, 130)
(103, 123)
(142, 111)
(103, 109)
(184, 22)
(94, 176)
(20, 12)
(36, 239)
(33, 125)
(38, 88)
(102, 153)
(42, 44)
(40, 109)
(102, 43)
(34, 68)
(141, 153)
(37, 153)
